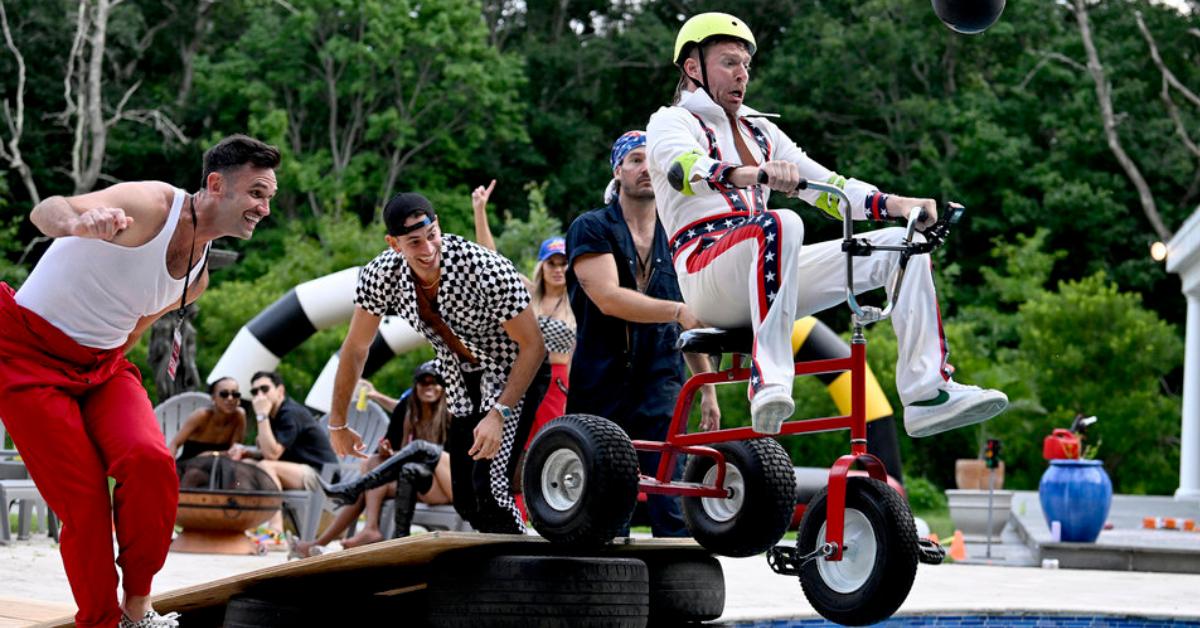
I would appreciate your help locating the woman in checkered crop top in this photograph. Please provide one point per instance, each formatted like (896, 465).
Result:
(549, 291)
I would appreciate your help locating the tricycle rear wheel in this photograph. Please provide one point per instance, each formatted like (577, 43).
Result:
(762, 498)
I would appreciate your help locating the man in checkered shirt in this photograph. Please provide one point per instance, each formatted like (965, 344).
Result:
(486, 312)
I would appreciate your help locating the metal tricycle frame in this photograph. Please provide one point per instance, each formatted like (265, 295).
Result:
(679, 441)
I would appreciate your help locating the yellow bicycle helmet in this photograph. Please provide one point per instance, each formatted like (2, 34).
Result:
(705, 26)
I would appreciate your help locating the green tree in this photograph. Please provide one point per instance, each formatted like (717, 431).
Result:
(1084, 347)
(10, 245)
(364, 93)
(520, 239)
(595, 70)
(1006, 123)
(1090, 348)
(337, 244)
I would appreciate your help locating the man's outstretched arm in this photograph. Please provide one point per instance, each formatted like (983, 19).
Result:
(351, 359)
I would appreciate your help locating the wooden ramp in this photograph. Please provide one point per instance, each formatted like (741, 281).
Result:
(14, 613)
(379, 568)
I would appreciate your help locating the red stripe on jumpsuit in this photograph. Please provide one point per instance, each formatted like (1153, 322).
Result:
(769, 237)
(697, 224)
(947, 369)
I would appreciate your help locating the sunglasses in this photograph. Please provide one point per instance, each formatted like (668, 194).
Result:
(225, 394)
(260, 390)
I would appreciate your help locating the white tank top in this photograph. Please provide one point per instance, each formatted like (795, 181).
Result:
(95, 291)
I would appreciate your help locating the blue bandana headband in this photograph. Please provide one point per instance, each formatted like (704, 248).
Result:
(627, 142)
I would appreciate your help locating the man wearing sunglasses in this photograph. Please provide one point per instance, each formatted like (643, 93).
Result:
(292, 445)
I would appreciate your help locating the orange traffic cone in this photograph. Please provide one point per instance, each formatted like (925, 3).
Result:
(958, 547)
(934, 537)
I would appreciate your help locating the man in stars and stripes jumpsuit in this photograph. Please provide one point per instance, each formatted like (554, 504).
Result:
(742, 265)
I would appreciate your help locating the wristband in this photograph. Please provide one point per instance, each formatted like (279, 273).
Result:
(724, 173)
(338, 428)
(877, 206)
(678, 311)
(261, 417)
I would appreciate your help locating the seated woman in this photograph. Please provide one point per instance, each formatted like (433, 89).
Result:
(419, 415)
(216, 428)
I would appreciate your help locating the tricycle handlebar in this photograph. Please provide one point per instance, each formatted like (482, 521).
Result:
(935, 235)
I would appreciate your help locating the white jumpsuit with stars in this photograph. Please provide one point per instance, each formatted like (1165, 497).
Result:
(740, 265)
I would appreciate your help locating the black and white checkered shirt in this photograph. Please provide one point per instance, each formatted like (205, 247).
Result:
(479, 291)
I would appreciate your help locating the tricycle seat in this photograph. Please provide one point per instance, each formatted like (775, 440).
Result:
(713, 341)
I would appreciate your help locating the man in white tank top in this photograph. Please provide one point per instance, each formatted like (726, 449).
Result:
(122, 258)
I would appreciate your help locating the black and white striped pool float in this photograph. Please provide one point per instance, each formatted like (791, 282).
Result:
(306, 309)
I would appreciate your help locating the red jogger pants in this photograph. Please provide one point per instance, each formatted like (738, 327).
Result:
(77, 416)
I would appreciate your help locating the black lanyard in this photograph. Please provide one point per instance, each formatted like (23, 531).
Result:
(188, 273)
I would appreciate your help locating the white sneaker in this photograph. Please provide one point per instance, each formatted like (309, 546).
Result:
(151, 620)
(956, 405)
(770, 407)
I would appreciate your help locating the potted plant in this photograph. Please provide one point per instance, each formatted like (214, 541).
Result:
(1075, 490)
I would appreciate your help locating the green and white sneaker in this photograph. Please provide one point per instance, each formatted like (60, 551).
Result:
(770, 407)
(956, 405)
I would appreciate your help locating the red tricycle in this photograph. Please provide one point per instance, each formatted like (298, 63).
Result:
(857, 549)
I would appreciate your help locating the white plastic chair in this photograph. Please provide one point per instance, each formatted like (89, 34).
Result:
(440, 517)
(306, 506)
(17, 489)
(174, 411)
(372, 424)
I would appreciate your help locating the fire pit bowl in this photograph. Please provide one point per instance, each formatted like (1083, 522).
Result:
(214, 521)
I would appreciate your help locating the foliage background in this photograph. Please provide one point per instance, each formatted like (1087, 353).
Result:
(1046, 289)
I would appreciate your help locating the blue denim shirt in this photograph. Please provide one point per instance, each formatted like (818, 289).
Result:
(629, 373)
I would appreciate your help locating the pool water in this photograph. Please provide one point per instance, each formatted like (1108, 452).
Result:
(1020, 620)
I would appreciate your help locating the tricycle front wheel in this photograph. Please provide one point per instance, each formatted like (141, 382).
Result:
(879, 556)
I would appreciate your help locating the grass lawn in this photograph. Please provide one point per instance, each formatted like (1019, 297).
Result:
(34, 526)
(939, 522)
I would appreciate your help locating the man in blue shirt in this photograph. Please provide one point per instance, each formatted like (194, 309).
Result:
(629, 311)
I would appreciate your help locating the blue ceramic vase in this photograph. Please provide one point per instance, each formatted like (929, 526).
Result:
(1077, 494)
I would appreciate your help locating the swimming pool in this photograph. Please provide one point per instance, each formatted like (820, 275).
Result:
(979, 620)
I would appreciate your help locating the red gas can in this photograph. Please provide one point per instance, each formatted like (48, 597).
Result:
(1061, 444)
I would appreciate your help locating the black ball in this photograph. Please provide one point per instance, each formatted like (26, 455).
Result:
(968, 16)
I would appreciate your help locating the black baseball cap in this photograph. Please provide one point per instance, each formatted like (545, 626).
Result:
(428, 369)
(401, 207)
